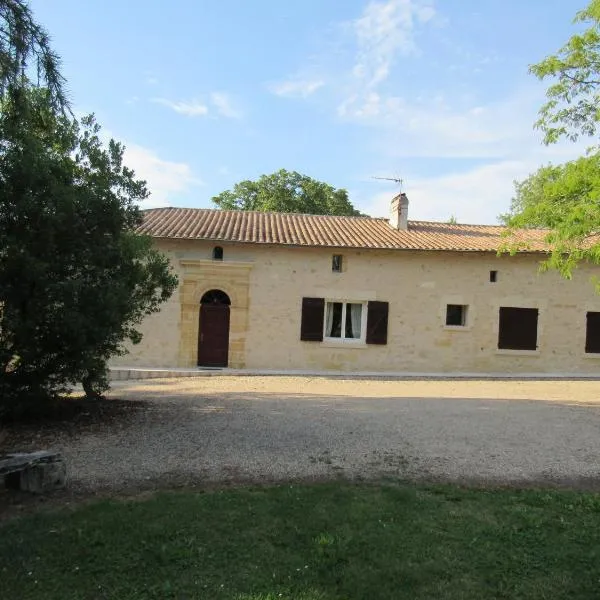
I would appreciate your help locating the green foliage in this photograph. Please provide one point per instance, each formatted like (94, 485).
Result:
(25, 54)
(75, 279)
(564, 199)
(573, 102)
(310, 542)
(288, 192)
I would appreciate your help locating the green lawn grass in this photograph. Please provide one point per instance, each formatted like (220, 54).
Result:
(309, 542)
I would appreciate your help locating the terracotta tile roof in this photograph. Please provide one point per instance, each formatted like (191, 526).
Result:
(320, 230)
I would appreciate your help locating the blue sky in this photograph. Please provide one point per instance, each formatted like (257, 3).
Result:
(207, 93)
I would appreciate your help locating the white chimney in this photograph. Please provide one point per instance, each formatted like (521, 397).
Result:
(399, 212)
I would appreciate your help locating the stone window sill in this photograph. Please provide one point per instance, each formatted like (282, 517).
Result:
(343, 344)
(517, 352)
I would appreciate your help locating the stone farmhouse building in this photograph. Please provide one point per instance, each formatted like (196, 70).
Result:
(278, 291)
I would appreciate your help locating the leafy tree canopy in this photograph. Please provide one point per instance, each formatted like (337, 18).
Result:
(573, 97)
(288, 192)
(75, 278)
(26, 54)
(566, 198)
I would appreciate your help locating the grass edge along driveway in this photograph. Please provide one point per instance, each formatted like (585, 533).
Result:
(309, 542)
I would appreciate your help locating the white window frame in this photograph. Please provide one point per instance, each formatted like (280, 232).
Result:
(363, 322)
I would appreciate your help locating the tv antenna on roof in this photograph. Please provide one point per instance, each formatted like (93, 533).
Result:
(397, 180)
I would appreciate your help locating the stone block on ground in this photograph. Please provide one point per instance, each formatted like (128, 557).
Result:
(36, 472)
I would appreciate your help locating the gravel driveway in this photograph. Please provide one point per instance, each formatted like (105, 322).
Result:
(215, 429)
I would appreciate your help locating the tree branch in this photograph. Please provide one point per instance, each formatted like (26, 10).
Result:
(580, 81)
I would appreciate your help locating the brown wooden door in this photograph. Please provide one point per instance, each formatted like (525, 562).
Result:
(213, 341)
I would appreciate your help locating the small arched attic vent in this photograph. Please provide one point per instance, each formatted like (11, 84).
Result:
(217, 253)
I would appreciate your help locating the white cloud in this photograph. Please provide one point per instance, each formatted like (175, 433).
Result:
(165, 179)
(192, 108)
(150, 80)
(473, 195)
(221, 102)
(499, 135)
(370, 107)
(476, 195)
(444, 128)
(384, 31)
(300, 88)
(224, 105)
(490, 139)
(425, 13)
(434, 128)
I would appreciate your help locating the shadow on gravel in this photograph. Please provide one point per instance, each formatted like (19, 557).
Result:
(68, 416)
(224, 425)
(189, 397)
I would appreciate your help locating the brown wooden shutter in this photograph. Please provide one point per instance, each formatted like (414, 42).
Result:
(313, 310)
(377, 322)
(592, 332)
(517, 329)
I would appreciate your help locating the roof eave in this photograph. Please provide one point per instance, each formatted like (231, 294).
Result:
(347, 247)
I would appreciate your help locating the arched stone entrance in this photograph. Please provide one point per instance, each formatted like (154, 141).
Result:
(213, 334)
(198, 276)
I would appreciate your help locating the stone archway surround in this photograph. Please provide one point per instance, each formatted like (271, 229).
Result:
(198, 277)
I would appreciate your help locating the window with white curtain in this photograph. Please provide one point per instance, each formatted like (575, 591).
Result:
(344, 321)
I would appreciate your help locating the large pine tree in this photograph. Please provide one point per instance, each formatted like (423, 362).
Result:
(75, 278)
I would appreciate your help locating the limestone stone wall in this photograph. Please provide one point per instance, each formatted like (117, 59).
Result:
(266, 285)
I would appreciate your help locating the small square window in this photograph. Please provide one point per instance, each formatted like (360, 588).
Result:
(493, 276)
(336, 263)
(456, 315)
